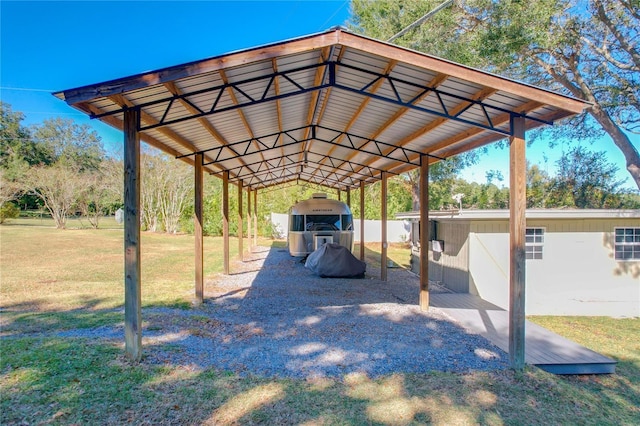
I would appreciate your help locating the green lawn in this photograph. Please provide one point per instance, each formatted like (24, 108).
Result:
(54, 280)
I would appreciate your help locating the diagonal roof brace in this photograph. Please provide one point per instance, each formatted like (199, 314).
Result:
(289, 164)
(282, 164)
(333, 78)
(326, 135)
(307, 177)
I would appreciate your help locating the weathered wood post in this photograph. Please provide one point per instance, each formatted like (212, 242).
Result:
(132, 285)
(362, 220)
(517, 229)
(249, 221)
(199, 239)
(225, 220)
(255, 217)
(240, 222)
(383, 206)
(424, 232)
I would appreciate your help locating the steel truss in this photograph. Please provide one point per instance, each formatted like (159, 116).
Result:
(246, 96)
(291, 160)
(286, 138)
(253, 174)
(321, 161)
(304, 177)
(257, 90)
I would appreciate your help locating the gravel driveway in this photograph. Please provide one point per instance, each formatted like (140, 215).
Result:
(273, 317)
(278, 319)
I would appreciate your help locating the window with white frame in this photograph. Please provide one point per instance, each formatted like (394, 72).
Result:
(534, 242)
(627, 244)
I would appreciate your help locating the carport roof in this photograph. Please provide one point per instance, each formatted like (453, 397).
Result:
(333, 108)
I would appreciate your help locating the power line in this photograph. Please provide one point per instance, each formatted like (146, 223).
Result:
(323, 26)
(421, 20)
(26, 89)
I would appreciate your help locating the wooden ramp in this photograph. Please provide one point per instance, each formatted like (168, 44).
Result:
(543, 348)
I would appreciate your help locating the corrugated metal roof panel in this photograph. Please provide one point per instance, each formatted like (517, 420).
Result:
(386, 95)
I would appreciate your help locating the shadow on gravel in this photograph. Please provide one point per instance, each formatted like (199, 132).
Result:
(284, 321)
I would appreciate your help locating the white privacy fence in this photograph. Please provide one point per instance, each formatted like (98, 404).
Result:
(397, 230)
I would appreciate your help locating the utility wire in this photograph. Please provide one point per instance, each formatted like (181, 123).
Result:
(323, 26)
(421, 20)
(26, 89)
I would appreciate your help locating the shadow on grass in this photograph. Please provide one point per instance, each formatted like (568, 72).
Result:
(69, 381)
(29, 317)
(88, 380)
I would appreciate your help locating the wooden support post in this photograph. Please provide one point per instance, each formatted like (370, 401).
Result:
(362, 220)
(517, 230)
(132, 285)
(339, 194)
(197, 227)
(255, 218)
(383, 206)
(225, 220)
(424, 233)
(249, 221)
(240, 222)
(349, 197)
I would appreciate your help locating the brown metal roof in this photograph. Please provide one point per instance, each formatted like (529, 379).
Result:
(333, 109)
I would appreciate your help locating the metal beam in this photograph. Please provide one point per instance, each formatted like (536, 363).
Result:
(244, 91)
(313, 159)
(484, 109)
(280, 140)
(326, 181)
(246, 94)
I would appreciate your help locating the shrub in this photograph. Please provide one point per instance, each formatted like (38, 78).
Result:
(8, 211)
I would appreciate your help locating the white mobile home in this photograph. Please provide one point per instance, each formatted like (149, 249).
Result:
(579, 262)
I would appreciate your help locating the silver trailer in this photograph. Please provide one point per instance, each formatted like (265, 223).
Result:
(316, 221)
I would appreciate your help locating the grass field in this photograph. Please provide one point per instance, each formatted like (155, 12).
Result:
(53, 281)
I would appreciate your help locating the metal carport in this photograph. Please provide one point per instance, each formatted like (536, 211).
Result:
(335, 109)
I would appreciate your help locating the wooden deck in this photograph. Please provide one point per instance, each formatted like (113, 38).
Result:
(543, 348)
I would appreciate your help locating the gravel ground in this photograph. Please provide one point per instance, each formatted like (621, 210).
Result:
(273, 317)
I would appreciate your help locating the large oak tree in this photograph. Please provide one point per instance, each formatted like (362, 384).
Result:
(588, 49)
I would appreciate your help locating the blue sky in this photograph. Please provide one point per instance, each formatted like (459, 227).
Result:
(52, 45)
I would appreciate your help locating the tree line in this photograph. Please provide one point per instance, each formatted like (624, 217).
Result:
(587, 49)
(61, 167)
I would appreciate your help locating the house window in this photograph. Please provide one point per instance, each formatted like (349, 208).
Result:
(534, 241)
(627, 244)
